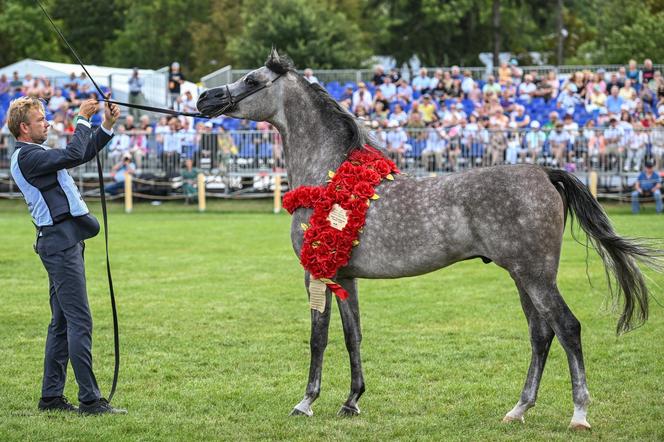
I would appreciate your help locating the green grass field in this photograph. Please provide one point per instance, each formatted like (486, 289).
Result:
(214, 328)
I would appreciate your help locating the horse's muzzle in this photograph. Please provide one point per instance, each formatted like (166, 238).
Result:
(215, 102)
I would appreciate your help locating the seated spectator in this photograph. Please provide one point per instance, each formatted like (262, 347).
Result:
(188, 103)
(558, 143)
(399, 115)
(527, 89)
(189, 180)
(397, 143)
(657, 140)
(362, 98)
(467, 84)
(455, 73)
(347, 94)
(596, 99)
(507, 101)
(119, 173)
(379, 112)
(499, 120)
(5, 86)
(614, 102)
(72, 84)
(627, 90)
(309, 76)
(422, 82)
(534, 142)
(436, 82)
(648, 183)
(614, 81)
(119, 145)
(491, 86)
(388, 89)
(572, 128)
(567, 100)
(57, 101)
(380, 97)
(428, 109)
(551, 123)
(613, 137)
(379, 75)
(520, 117)
(404, 91)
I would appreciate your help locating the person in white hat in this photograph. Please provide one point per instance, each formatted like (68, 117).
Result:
(534, 142)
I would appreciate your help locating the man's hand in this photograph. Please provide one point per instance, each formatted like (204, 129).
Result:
(88, 108)
(111, 114)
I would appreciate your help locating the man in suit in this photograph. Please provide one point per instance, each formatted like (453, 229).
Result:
(63, 222)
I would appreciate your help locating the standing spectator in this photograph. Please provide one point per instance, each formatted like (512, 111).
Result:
(636, 149)
(172, 149)
(648, 72)
(310, 77)
(422, 82)
(633, 72)
(613, 137)
(594, 139)
(175, 80)
(119, 145)
(135, 92)
(388, 89)
(16, 83)
(379, 75)
(648, 183)
(362, 98)
(657, 139)
(504, 73)
(515, 72)
(5, 87)
(432, 154)
(514, 148)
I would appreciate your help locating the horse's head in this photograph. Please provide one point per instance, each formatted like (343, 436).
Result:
(254, 96)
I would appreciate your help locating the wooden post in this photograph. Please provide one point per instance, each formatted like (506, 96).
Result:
(129, 203)
(277, 193)
(201, 192)
(592, 185)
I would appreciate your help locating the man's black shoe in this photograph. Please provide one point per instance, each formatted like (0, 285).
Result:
(58, 403)
(100, 406)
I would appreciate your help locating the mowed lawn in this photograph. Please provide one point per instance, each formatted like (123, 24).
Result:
(214, 325)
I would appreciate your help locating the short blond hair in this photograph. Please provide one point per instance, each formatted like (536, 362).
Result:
(18, 113)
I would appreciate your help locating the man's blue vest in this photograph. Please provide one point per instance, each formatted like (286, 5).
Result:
(51, 198)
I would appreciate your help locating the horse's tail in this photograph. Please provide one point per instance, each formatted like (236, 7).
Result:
(619, 254)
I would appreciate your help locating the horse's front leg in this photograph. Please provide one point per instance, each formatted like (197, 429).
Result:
(350, 317)
(319, 326)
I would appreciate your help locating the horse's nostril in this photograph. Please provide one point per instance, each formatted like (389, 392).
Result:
(203, 96)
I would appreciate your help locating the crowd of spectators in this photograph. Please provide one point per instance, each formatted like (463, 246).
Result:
(447, 119)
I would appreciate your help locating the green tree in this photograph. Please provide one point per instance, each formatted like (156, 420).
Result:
(88, 26)
(26, 33)
(311, 34)
(155, 33)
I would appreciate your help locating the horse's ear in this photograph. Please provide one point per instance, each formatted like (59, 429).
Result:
(274, 55)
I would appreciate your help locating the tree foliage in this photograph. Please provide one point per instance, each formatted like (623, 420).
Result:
(204, 35)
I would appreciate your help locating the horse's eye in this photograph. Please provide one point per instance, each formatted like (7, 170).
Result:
(250, 81)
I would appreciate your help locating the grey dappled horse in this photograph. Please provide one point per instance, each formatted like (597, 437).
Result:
(511, 215)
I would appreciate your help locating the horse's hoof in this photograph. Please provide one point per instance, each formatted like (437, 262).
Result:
(509, 419)
(579, 426)
(345, 410)
(297, 412)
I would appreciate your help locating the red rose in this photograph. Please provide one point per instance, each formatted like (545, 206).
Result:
(355, 222)
(363, 190)
(318, 219)
(325, 204)
(370, 177)
(329, 237)
(382, 167)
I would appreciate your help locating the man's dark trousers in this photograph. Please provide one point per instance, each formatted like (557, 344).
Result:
(70, 330)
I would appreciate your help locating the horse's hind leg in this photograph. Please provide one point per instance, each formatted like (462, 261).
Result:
(350, 318)
(319, 327)
(541, 336)
(550, 305)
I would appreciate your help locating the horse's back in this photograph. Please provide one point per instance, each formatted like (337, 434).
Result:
(503, 213)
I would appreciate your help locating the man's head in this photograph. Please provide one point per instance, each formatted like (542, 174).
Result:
(27, 121)
(649, 165)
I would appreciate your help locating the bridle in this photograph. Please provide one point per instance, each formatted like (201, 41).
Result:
(233, 101)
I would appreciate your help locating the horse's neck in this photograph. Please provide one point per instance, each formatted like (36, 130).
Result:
(314, 143)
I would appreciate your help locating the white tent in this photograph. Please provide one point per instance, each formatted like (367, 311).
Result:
(154, 89)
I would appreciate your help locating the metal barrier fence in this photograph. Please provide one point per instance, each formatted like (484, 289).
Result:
(245, 162)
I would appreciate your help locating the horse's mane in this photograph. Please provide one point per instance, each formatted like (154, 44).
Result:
(360, 136)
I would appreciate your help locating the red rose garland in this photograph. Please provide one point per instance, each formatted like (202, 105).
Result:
(326, 248)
